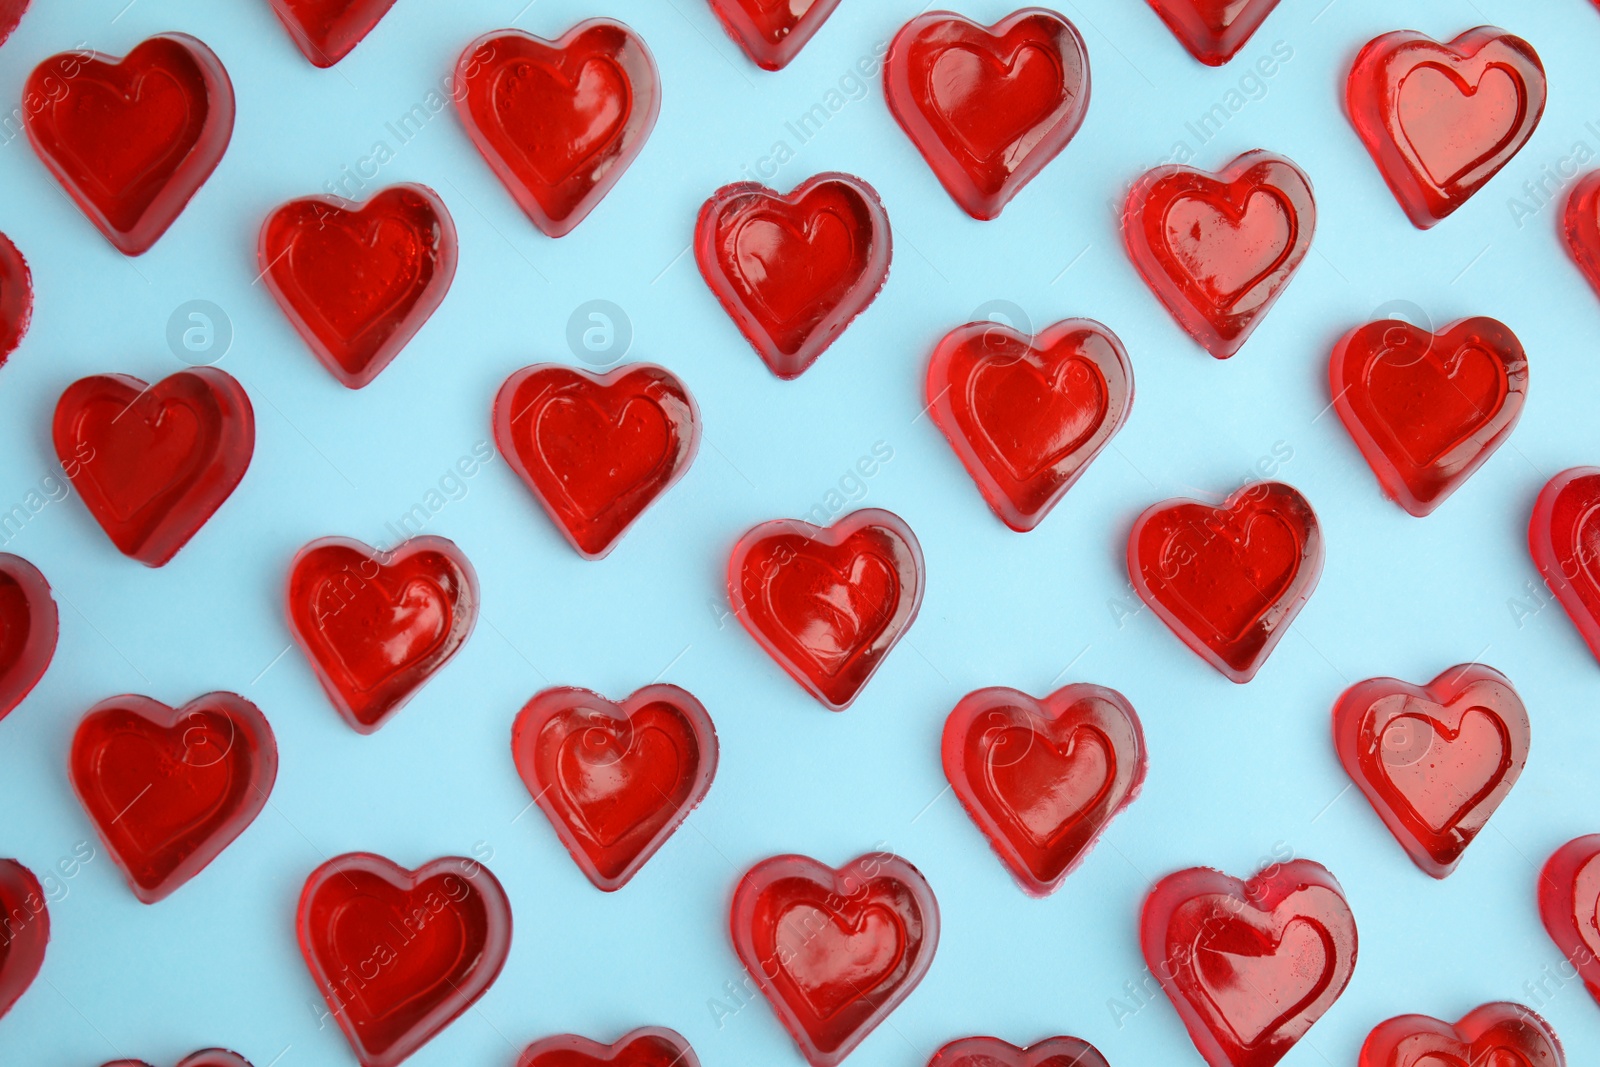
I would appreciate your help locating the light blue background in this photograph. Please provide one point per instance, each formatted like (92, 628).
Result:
(1237, 774)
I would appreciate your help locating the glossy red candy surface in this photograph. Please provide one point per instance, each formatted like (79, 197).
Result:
(1043, 778)
(1228, 580)
(828, 603)
(650, 1046)
(399, 954)
(1580, 226)
(596, 449)
(11, 12)
(835, 951)
(169, 788)
(1218, 250)
(793, 271)
(1440, 120)
(1026, 416)
(1213, 30)
(1434, 760)
(22, 902)
(1569, 905)
(154, 462)
(1493, 1035)
(377, 625)
(16, 298)
(772, 32)
(359, 280)
(992, 1052)
(1249, 966)
(615, 780)
(211, 1057)
(132, 140)
(327, 30)
(29, 627)
(1564, 540)
(559, 121)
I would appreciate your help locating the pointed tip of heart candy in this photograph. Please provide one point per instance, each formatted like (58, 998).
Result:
(772, 35)
(326, 34)
(1212, 31)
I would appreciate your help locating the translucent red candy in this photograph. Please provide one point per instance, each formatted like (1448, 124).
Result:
(169, 788)
(1043, 778)
(11, 12)
(650, 1046)
(154, 462)
(327, 30)
(988, 108)
(1249, 966)
(1228, 580)
(615, 780)
(1219, 250)
(132, 140)
(211, 1057)
(1434, 760)
(828, 604)
(399, 954)
(559, 122)
(359, 280)
(377, 625)
(1213, 30)
(1569, 904)
(29, 626)
(992, 1052)
(794, 271)
(835, 951)
(1493, 1035)
(1440, 120)
(26, 919)
(596, 449)
(1580, 225)
(16, 297)
(1026, 416)
(772, 32)
(1564, 539)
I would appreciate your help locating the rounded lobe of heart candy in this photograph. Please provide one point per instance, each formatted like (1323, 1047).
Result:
(326, 31)
(210, 1057)
(992, 1052)
(1491, 1035)
(1569, 906)
(27, 928)
(648, 1046)
(834, 951)
(357, 281)
(794, 271)
(772, 34)
(1564, 540)
(29, 629)
(133, 139)
(1580, 226)
(16, 298)
(1440, 120)
(1213, 30)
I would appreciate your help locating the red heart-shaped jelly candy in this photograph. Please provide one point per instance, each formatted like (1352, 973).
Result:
(828, 604)
(992, 1052)
(1228, 580)
(1440, 120)
(559, 121)
(133, 139)
(359, 280)
(1043, 778)
(327, 30)
(794, 271)
(615, 780)
(1580, 225)
(1434, 760)
(1249, 966)
(29, 626)
(772, 32)
(1213, 30)
(1493, 1035)
(169, 788)
(154, 462)
(27, 931)
(11, 12)
(16, 297)
(835, 951)
(211, 1057)
(376, 625)
(1428, 409)
(1026, 416)
(1564, 540)
(988, 107)
(596, 449)
(1218, 250)
(648, 1046)
(399, 954)
(1569, 904)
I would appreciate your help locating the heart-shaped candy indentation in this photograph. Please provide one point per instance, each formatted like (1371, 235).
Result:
(1564, 540)
(16, 297)
(22, 902)
(772, 32)
(327, 30)
(648, 1046)
(992, 1052)
(1213, 30)
(29, 627)
(1492, 1035)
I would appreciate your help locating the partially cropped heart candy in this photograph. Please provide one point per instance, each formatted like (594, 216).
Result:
(376, 625)
(1434, 760)
(1249, 966)
(1569, 905)
(16, 297)
(1564, 540)
(835, 951)
(1213, 30)
(154, 462)
(11, 12)
(328, 30)
(772, 32)
(1026, 416)
(1218, 250)
(27, 927)
(988, 108)
(615, 780)
(649, 1046)
(29, 627)
(1043, 778)
(1440, 120)
(1428, 409)
(399, 954)
(211, 1057)
(1228, 580)
(596, 449)
(828, 604)
(559, 121)
(793, 271)
(992, 1052)
(359, 280)
(1493, 1035)
(1580, 226)
(132, 139)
